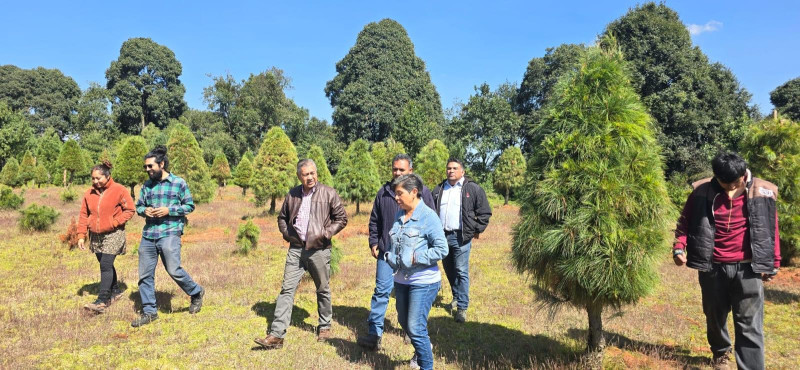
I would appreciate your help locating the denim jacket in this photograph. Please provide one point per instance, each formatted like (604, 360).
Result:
(422, 237)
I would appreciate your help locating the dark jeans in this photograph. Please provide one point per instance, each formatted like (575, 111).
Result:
(735, 287)
(108, 276)
(384, 283)
(456, 267)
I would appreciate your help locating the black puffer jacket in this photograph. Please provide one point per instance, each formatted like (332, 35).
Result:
(475, 208)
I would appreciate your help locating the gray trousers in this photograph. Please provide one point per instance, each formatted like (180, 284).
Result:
(298, 260)
(735, 287)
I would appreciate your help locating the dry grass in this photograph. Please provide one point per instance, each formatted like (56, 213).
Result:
(43, 287)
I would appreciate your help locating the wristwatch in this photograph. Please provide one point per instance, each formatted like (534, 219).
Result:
(677, 252)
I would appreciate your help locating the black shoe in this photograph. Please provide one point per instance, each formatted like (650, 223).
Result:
(461, 315)
(371, 342)
(145, 319)
(197, 302)
(116, 294)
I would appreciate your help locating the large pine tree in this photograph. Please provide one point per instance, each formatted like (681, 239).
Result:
(128, 166)
(357, 180)
(597, 211)
(186, 161)
(243, 174)
(431, 163)
(71, 160)
(316, 154)
(220, 169)
(274, 168)
(374, 82)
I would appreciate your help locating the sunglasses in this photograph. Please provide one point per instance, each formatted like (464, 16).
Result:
(149, 166)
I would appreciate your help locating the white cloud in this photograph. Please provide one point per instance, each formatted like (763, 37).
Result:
(711, 26)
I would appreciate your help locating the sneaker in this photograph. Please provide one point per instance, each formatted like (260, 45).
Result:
(323, 334)
(144, 319)
(461, 315)
(721, 362)
(97, 306)
(371, 342)
(197, 302)
(413, 363)
(453, 305)
(270, 342)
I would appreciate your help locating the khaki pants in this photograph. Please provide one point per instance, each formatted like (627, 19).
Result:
(298, 260)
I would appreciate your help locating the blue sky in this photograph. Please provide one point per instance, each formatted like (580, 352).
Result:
(463, 43)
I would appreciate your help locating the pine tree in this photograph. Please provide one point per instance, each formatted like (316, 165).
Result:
(243, 175)
(357, 179)
(249, 155)
(596, 213)
(510, 171)
(10, 174)
(432, 163)
(41, 175)
(27, 169)
(128, 166)
(274, 168)
(48, 149)
(71, 160)
(772, 150)
(382, 153)
(220, 169)
(323, 174)
(186, 161)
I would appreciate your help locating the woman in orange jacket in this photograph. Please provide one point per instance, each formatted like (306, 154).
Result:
(105, 209)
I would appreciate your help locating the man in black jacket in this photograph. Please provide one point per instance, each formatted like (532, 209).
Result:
(464, 210)
(381, 219)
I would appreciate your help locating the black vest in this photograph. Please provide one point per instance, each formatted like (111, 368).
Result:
(761, 206)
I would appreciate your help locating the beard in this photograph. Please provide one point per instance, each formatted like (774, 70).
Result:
(156, 175)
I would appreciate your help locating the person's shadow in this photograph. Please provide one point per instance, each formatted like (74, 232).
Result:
(678, 353)
(94, 288)
(780, 296)
(356, 318)
(163, 302)
(267, 311)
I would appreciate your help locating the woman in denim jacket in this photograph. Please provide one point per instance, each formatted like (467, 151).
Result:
(417, 244)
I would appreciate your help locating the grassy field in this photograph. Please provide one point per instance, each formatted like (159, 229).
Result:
(43, 287)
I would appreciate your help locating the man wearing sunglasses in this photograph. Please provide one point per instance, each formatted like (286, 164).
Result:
(164, 202)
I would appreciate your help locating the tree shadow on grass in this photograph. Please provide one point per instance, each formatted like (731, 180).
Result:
(661, 351)
(483, 345)
(356, 319)
(94, 288)
(780, 296)
(163, 302)
(267, 311)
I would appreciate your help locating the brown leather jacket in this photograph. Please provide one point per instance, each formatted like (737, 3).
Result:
(327, 217)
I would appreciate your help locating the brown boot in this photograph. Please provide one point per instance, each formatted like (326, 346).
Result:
(270, 342)
(97, 306)
(721, 362)
(323, 334)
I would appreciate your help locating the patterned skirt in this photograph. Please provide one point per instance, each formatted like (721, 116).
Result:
(112, 242)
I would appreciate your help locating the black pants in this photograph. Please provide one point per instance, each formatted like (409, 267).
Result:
(108, 275)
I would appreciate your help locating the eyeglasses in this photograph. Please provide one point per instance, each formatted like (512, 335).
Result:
(149, 166)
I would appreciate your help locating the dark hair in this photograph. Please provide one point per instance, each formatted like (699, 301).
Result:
(409, 182)
(104, 168)
(160, 155)
(453, 159)
(728, 167)
(305, 163)
(403, 157)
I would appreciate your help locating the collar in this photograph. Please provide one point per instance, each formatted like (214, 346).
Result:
(414, 215)
(460, 182)
(303, 190)
(108, 185)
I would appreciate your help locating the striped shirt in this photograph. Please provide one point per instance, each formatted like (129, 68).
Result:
(173, 193)
(304, 214)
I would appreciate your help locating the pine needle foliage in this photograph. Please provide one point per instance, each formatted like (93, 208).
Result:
(772, 150)
(432, 163)
(9, 176)
(27, 169)
(128, 169)
(597, 211)
(186, 161)
(274, 168)
(247, 237)
(37, 218)
(382, 153)
(71, 159)
(509, 174)
(243, 174)
(220, 169)
(357, 179)
(9, 200)
(316, 154)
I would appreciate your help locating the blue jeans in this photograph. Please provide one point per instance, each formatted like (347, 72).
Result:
(456, 267)
(384, 282)
(169, 248)
(413, 306)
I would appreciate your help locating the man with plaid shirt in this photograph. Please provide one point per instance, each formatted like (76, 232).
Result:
(164, 201)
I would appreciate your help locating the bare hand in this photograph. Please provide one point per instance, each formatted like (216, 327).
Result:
(159, 212)
(767, 277)
(375, 251)
(680, 259)
(148, 211)
(80, 245)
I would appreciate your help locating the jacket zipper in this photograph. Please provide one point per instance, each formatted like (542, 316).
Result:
(99, 200)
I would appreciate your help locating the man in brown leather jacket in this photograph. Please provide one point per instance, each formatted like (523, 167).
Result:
(311, 215)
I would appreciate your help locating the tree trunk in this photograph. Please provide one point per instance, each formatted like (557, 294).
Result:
(358, 210)
(244, 191)
(64, 178)
(272, 205)
(133, 196)
(595, 341)
(508, 190)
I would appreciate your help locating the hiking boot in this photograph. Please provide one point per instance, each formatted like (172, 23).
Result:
(270, 342)
(197, 302)
(461, 315)
(371, 342)
(97, 306)
(721, 362)
(453, 305)
(144, 319)
(323, 334)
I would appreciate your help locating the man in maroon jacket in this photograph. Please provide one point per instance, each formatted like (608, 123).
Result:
(728, 231)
